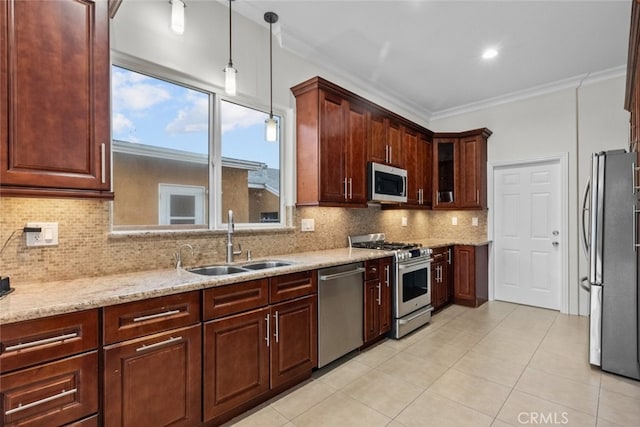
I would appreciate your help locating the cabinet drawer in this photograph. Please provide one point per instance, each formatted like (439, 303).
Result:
(293, 285)
(30, 342)
(87, 422)
(55, 393)
(372, 270)
(230, 299)
(136, 319)
(441, 254)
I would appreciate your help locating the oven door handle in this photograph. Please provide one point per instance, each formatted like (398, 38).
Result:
(420, 263)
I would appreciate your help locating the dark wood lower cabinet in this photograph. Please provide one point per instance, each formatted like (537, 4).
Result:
(154, 380)
(294, 343)
(377, 299)
(441, 280)
(236, 361)
(51, 394)
(251, 355)
(470, 275)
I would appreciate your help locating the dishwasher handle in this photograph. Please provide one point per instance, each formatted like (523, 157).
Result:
(342, 274)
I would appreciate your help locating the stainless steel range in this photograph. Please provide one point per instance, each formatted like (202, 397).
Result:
(412, 282)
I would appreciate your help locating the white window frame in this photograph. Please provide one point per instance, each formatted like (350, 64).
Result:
(217, 220)
(165, 191)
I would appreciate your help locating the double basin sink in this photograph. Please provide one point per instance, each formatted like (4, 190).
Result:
(223, 270)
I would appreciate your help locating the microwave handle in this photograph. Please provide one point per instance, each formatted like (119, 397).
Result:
(404, 187)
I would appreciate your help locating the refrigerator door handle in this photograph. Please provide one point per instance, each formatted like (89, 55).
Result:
(585, 211)
(597, 211)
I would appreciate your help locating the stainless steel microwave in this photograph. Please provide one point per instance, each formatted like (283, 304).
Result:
(386, 184)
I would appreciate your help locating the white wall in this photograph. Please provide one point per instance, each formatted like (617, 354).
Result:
(575, 121)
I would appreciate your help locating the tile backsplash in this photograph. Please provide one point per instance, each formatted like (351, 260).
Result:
(87, 248)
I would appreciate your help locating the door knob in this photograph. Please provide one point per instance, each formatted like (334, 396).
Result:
(555, 243)
(555, 232)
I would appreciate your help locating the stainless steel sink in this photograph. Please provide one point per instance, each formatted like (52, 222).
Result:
(261, 265)
(218, 270)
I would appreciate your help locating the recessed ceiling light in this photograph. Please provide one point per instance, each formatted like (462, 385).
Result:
(489, 53)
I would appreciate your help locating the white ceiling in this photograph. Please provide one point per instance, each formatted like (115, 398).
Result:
(427, 54)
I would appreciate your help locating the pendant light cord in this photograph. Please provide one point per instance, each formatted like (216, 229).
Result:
(270, 70)
(230, 56)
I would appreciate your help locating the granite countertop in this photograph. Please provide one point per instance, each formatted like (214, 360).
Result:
(41, 299)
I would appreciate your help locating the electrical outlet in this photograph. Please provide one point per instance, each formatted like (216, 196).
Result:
(307, 224)
(454, 220)
(404, 221)
(48, 235)
(474, 221)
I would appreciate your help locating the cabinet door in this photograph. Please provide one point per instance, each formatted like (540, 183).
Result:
(51, 394)
(332, 148)
(236, 361)
(464, 273)
(54, 81)
(371, 309)
(155, 380)
(385, 295)
(377, 151)
(394, 141)
(294, 343)
(444, 173)
(472, 185)
(355, 154)
(411, 163)
(424, 154)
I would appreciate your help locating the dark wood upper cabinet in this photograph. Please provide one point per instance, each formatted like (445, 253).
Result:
(417, 153)
(54, 88)
(460, 170)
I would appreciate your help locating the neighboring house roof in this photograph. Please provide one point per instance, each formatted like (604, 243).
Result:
(259, 175)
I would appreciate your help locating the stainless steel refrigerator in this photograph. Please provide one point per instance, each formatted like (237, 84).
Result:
(610, 238)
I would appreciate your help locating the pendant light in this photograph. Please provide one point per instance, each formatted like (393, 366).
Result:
(229, 71)
(271, 129)
(177, 16)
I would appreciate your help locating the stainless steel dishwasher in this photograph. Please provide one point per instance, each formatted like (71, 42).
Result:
(340, 311)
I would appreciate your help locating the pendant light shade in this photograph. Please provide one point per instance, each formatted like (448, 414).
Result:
(271, 125)
(177, 16)
(229, 71)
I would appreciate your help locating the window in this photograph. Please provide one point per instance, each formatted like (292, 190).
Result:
(170, 171)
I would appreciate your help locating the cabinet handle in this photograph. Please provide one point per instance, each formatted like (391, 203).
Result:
(345, 188)
(386, 154)
(391, 154)
(277, 322)
(351, 188)
(103, 160)
(159, 344)
(379, 293)
(22, 407)
(477, 196)
(59, 338)
(449, 257)
(266, 338)
(386, 272)
(634, 229)
(155, 316)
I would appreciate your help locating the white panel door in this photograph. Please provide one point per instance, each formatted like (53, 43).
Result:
(528, 234)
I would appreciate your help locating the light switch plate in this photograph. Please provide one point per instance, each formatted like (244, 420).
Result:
(454, 220)
(474, 221)
(307, 224)
(404, 221)
(48, 236)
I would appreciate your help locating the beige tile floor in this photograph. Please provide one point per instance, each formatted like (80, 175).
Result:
(498, 365)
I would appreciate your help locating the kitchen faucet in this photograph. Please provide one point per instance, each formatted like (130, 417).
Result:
(230, 228)
(178, 254)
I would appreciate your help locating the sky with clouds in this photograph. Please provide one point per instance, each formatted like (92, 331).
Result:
(150, 111)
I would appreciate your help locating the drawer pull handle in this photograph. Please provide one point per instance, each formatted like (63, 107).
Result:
(59, 338)
(158, 344)
(155, 316)
(22, 407)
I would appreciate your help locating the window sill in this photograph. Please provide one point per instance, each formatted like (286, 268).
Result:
(125, 234)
